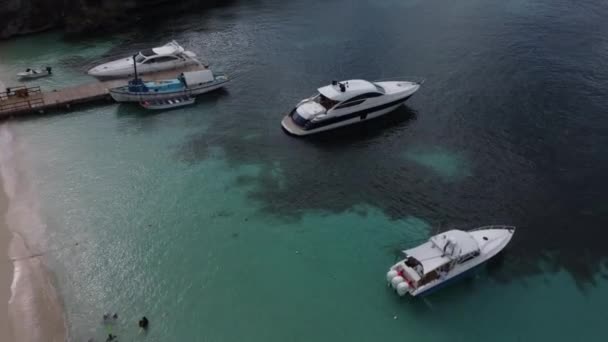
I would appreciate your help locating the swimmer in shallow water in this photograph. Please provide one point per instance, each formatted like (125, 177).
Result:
(143, 323)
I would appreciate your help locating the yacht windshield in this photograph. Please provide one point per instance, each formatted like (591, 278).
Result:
(139, 58)
(325, 101)
(380, 89)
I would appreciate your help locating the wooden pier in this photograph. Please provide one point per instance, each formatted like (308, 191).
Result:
(22, 100)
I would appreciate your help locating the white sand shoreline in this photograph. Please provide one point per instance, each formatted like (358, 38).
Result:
(33, 310)
(6, 271)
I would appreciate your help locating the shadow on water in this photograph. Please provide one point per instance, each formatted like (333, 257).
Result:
(140, 119)
(360, 133)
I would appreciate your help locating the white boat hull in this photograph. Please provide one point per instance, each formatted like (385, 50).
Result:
(28, 76)
(128, 71)
(497, 240)
(319, 119)
(168, 104)
(120, 96)
(293, 129)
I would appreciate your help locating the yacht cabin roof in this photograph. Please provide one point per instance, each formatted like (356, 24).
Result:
(352, 88)
(169, 49)
(436, 252)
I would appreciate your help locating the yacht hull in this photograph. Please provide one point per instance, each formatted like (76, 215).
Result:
(107, 70)
(290, 127)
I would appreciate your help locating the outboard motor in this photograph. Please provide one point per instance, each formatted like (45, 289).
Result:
(48, 69)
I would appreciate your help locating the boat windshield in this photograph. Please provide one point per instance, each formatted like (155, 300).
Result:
(380, 89)
(140, 58)
(325, 101)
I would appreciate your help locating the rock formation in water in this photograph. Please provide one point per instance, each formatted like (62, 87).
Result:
(77, 16)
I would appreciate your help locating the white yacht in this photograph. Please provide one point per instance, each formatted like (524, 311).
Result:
(446, 257)
(167, 57)
(347, 102)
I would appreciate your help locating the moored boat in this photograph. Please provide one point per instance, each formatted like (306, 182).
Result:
(345, 103)
(190, 83)
(167, 57)
(167, 103)
(35, 73)
(446, 257)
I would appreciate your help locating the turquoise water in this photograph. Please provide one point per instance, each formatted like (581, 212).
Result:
(218, 227)
(184, 245)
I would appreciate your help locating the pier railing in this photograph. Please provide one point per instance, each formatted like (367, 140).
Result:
(20, 98)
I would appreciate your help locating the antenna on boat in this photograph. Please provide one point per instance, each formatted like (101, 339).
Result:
(135, 67)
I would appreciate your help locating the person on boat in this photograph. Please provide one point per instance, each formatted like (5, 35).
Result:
(143, 323)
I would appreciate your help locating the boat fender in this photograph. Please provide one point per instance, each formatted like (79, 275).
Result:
(390, 275)
(396, 281)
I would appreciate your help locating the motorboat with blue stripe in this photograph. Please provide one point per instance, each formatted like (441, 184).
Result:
(187, 84)
(446, 257)
(345, 103)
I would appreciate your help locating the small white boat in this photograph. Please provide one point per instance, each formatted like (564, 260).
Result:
(168, 103)
(190, 83)
(446, 257)
(167, 57)
(35, 73)
(345, 103)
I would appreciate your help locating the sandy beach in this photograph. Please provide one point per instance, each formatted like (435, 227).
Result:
(6, 271)
(32, 308)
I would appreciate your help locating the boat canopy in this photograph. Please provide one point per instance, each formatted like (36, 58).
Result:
(352, 88)
(429, 256)
(192, 78)
(462, 241)
(442, 249)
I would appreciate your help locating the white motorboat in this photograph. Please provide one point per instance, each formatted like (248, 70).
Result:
(189, 83)
(35, 73)
(345, 103)
(446, 257)
(167, 57)
(168, 103)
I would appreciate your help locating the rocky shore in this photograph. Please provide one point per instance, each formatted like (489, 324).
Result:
(82, 16)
